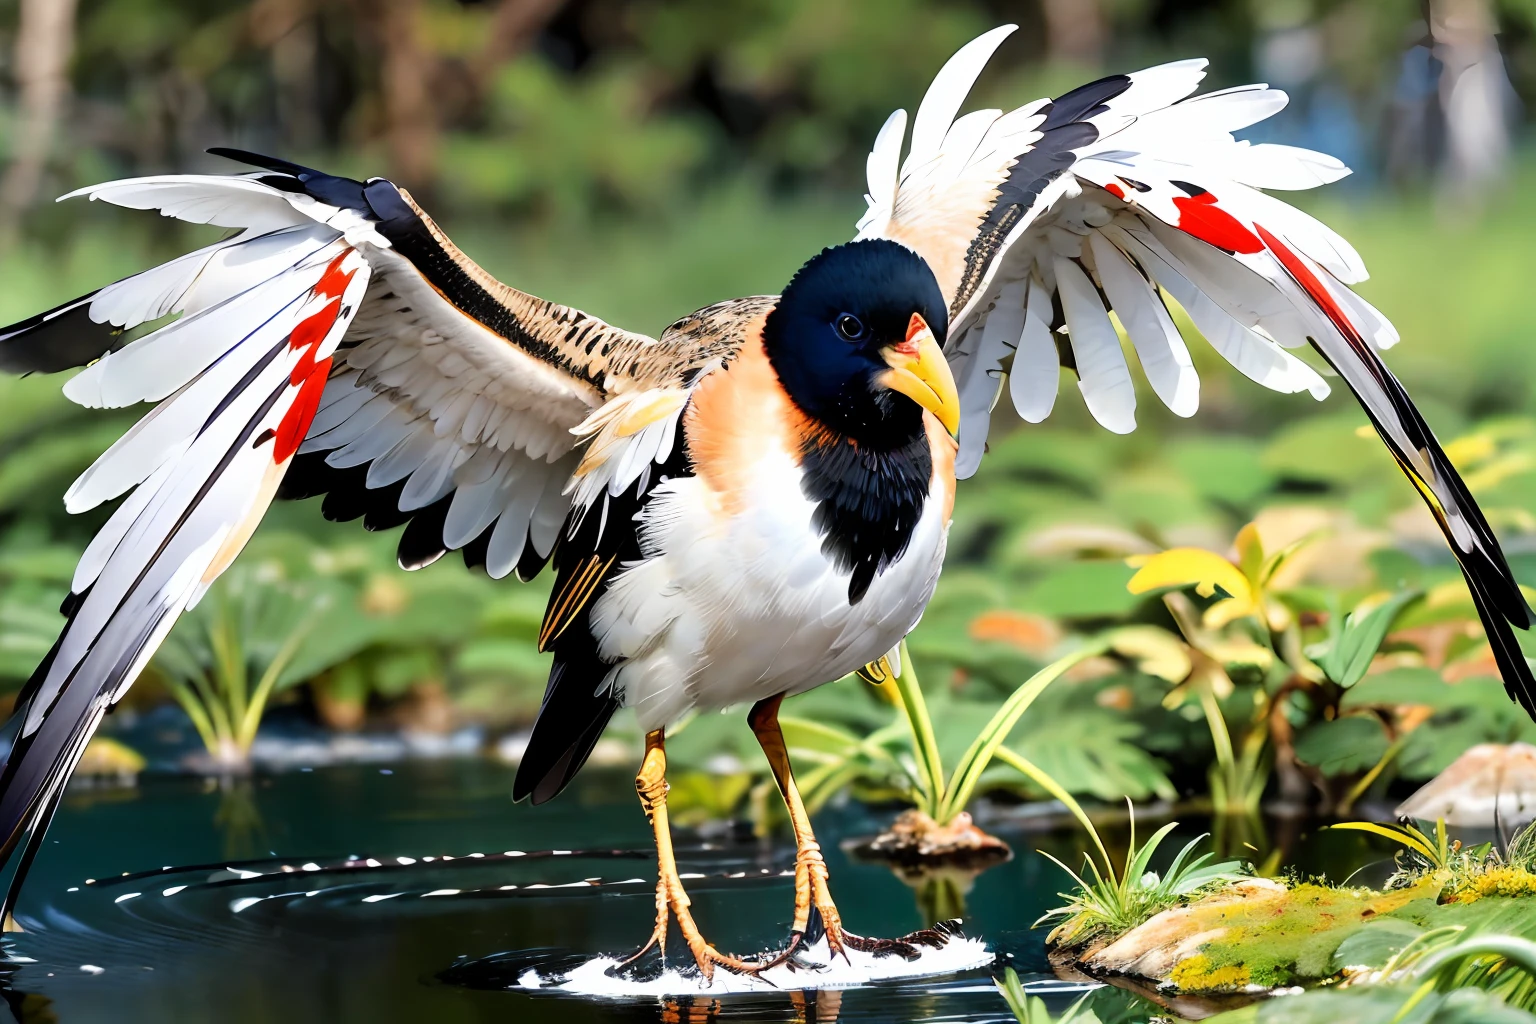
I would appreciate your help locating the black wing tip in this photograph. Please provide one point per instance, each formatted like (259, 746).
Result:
(339, 191)
(56, 339)
(530, 563)
(422, 542)
(274, 163)
(345, 497)
(1084, 102)
(251, 159)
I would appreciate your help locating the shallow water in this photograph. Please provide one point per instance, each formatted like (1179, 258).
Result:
(419, 892)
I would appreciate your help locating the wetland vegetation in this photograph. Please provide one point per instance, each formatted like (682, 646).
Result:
(1243, 620)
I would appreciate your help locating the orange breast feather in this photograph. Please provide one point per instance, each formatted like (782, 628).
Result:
(736, 416)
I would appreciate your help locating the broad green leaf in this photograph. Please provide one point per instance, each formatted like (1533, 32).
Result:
(1424, 686)
(1094, 751)
(1350, 744)
(1325, 448)
(1227, 469)
(1376, 943)
(1349, 654)
(1083, 590)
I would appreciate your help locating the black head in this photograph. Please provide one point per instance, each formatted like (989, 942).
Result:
(843, 324)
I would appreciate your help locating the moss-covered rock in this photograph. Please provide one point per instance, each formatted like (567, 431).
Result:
(1259, 934)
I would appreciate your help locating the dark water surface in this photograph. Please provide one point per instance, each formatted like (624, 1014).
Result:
(193, 933)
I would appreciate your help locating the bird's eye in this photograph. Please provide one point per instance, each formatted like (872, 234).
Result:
(849, 326)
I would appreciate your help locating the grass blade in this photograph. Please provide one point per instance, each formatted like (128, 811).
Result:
(1396, 835)
(976, 758)
(1023, 765)
(930, 766)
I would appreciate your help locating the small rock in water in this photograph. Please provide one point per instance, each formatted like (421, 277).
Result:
(1493, 783)
(914, 837)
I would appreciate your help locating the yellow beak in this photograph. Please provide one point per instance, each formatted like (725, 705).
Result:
(920, 371)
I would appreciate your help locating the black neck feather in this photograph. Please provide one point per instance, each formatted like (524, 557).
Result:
(868, 501)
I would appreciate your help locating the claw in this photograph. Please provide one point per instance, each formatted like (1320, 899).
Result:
(906, 946)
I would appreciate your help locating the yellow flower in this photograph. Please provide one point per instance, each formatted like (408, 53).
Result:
(1204, 570)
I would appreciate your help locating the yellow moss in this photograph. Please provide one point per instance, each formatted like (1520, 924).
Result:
(1275, 938)
(1199, 974)
(1497, 881)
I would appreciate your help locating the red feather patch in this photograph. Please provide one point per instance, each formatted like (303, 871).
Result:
(1312, 286)
(1201, 217)
(295, 422)
(312, 329)
(310, 374)
(333, 282)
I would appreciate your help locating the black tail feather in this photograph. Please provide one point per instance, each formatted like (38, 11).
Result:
(1518, 682)
(346, 193)
(29, 852)
(570, 723)
(1486, 561)
(579, 700)
(1500, 603)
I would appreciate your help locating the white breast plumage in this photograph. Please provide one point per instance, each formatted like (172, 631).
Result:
(730, 608)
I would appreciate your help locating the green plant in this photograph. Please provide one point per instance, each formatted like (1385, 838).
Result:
(1115, 901)
(1466, 873)
(1504, 965)
(229, 655)
(1244, 591)
(292, 612)
(1251, 625)
(1436, 852)
(917, 773)
(34, 577)
(1028, 1009)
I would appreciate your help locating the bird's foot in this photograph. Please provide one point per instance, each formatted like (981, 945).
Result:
(815, 912)
(907, 945)
(840, 940)
(672, 903)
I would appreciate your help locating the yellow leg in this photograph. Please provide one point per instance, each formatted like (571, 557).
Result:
(811, 889)
(671, 899)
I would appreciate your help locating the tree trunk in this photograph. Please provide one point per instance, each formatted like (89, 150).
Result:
(411, 117)
(287, 29)
(1074, 31)
(513, 27)
(44, 43)
(1474, 99)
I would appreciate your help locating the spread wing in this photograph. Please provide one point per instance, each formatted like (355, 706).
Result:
(337, 342)
(1040, 221)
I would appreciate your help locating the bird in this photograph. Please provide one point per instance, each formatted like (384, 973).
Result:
(747, 505)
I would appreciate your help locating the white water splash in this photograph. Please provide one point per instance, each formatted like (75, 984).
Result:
(592, 978)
